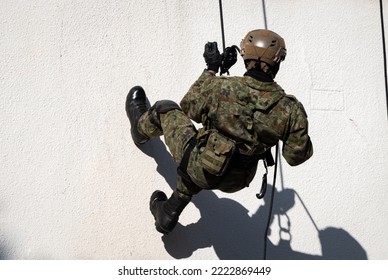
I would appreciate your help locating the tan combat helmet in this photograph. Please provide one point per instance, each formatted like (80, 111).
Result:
(264, 45)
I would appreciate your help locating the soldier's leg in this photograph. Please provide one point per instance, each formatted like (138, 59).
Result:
(167, 211)
(166, 118)
(177, 129)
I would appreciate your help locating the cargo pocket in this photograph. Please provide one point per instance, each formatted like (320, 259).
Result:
(216, 152)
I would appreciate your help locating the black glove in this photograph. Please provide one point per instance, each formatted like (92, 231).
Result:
(212, 56)
(229, 58)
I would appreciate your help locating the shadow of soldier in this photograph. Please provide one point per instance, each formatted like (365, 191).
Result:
(225, 214)
(224, 225)
(227, 226)
(336, 244)
(166, 166)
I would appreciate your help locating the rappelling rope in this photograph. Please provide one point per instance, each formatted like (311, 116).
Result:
(271, 203)
(222, 30)
(384, 50)
(222, 26)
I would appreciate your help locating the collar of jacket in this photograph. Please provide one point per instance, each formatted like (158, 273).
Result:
(260, 76)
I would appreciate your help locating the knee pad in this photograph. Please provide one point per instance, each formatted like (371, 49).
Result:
(161, 107)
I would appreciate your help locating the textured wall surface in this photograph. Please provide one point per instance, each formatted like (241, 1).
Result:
(74, 186)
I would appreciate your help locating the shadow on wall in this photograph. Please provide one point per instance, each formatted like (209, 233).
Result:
(3, 251)
(336, 243)
(2, 256)
(166, 166)
(227, 226)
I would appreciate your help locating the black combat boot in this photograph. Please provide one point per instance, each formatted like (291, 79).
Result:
(166, 211)
(136, 105)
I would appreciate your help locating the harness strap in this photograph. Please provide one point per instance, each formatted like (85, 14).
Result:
(182, 168)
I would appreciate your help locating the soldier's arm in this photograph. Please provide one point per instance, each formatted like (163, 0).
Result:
(193, 103)
(297, 146)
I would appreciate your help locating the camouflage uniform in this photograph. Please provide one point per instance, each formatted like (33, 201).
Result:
(254, 114)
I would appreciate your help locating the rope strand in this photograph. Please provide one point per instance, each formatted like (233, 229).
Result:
(271, 203)
(222, 26)
(384, 51)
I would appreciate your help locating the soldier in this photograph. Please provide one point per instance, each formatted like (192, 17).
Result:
(241, 117)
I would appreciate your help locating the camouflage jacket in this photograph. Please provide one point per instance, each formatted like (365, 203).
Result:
(255, 113)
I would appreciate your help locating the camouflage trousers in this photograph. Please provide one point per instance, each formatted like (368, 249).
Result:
(177, 130)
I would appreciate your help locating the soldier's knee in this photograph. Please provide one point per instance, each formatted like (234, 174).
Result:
(161, 107)
(164, 106)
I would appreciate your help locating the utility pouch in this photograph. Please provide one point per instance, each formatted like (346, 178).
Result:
(216, 152)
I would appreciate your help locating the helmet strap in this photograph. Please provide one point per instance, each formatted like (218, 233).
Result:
(250, 64)
(270, 70)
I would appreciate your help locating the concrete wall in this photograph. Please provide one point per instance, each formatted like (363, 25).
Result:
(74, 186)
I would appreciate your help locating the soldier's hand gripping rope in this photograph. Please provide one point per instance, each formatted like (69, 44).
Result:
(214, 60)
(229, 58)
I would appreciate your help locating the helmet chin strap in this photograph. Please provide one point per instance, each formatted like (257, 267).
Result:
(265, 68)
(271, 70)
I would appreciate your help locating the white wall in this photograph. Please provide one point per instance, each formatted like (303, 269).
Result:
(74, 186)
